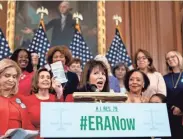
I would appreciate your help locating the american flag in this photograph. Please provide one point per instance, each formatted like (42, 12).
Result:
(79, 48)
(40, 44)
(4, 47)
(117, 52)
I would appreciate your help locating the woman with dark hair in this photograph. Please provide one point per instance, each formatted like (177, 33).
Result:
(75, 66)
(23, 58)
(113, 81)
(136, 82)
(94, 73)
(144, 62)
(119, 71)
(174, 84)
(42, 85)
(63, 54)
(157, 98)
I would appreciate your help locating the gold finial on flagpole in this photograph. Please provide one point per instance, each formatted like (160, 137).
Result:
(78, 17)
(42, 11)
(117, 19)
(1, 7)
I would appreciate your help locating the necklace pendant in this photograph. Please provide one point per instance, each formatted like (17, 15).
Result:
(175, 84)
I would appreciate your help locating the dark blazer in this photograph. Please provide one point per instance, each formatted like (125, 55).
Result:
(71, 85)
(59, 36)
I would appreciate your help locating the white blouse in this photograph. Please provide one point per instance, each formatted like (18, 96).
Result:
(157, 85)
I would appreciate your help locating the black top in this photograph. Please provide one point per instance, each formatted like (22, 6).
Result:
(174, 95)
(59, 36)
(175, 98)
(71, 85)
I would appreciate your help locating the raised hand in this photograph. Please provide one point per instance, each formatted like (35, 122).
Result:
(57, 86)
(177, 111)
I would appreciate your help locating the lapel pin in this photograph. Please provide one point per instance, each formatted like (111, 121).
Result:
(18, 101)
(23, 106)
(182, 80)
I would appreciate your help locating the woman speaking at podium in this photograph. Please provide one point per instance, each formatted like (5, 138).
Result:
(94, 74)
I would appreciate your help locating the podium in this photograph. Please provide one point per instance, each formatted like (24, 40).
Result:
(94, 117)
(103, 120)
(102, 97)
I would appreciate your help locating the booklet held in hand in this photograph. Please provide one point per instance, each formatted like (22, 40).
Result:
(58, 72)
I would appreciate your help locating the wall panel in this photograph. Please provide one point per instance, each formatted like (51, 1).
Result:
(3, 16)
(151, 25)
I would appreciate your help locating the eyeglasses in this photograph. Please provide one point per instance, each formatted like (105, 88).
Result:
(171, 57)
(143, 58)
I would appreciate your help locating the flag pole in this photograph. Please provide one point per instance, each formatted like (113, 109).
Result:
(78, 45)
(117, 51)
(77, 16)
(117, 20)
(42, 11)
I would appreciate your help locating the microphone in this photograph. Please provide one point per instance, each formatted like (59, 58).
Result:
(93, 88)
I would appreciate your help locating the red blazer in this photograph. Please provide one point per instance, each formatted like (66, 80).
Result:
(34, 106)
(69, 98)
(24, 87)
(5, 114)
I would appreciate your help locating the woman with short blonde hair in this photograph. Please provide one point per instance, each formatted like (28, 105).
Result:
(13, 110)
(5, 64)
(174, 85)
(180, 60)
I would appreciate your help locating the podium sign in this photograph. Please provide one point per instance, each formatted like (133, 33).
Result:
(104, 120)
